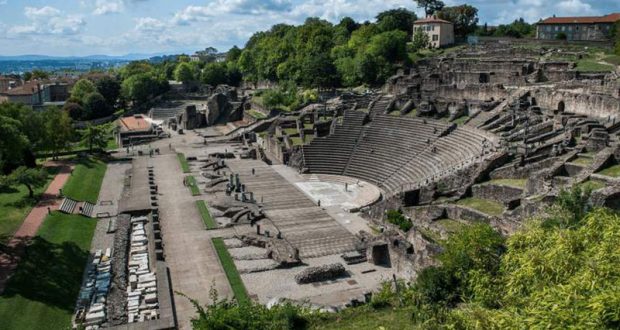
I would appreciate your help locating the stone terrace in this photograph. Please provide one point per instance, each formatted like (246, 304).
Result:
(302, 223)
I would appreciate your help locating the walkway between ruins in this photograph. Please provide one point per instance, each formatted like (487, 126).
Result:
(194, 265)
(50, 201)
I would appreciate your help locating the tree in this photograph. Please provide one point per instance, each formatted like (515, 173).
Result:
(464, 18)
(95, 137)
(139, 88)
(82, 88)
(396, 19)
(95, 106)
(214, 74)
(420, 41)
(29, 177)
(430, 6)
(58, 130)
(561, 36)
(36, 75)
(13, 141)
(615, 37)
(233, 54)
(110, 89)
(184, 73)
(74, 109)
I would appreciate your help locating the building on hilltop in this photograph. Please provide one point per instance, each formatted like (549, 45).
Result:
(586, 28)
(440, 32)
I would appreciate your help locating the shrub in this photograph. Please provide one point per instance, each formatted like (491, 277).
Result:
(397, 218)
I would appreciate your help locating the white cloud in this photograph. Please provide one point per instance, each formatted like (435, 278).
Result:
(48, 20)
(220, 7)
(149, 24)
(103, 7)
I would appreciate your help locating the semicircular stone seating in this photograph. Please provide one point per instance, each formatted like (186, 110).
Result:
(391, 151)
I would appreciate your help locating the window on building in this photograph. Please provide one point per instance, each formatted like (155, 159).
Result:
(435, 37)
(557, 28)
(428, 28)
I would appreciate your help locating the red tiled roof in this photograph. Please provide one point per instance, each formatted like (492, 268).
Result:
(611, 18)
(29, 88)
(134, 123)
(431, 20)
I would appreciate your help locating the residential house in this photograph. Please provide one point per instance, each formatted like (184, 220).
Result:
(440, 32)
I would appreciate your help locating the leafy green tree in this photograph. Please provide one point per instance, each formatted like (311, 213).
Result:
(96, 106)
(233, 54)
(110, 89)
(141, 87)
(517, 29)
(430, 6)
(561, 36)
(396, 19)
(215, 74)
(420, 41)
(58, 131)
(82, 88)
(30, 177)
(135, 68)
(75, 110)
(13, 141)
(184, 72)
(389, 45)
(95, 137)
(464, 18)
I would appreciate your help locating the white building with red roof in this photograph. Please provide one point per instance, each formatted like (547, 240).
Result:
(440, 32)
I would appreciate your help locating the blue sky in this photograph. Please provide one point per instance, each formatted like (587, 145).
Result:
(118, 27)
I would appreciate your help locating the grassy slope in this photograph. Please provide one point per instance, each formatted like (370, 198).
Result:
(517, 183)
(85, 181)
(15, 204)
(184, 163)
(206, 215)
(483, 205)
(42, 293)
(231, 271)
(613, 171)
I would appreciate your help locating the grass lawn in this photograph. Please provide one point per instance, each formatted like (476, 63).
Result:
(231, 271)
(364, 317)
(593, 185)
(206, 215)
(612, 59)
(42, 292)
(15, 204)
(460, 120)
(450, 225)
(517, 183)
(593, 66)
(290, 131)
(582, 161)
(184, 163)
(193, 186)
(256, 114)
(483, 205)
(613, 171)
(412, 113)
(85, 182)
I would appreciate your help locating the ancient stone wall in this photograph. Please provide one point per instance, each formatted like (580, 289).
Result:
(596, 105)
(499, 193)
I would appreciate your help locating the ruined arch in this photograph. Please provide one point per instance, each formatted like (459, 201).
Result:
(561, 106)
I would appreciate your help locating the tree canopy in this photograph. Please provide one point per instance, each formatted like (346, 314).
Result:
(464, 18)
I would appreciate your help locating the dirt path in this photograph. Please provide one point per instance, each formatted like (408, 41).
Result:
(50, 201)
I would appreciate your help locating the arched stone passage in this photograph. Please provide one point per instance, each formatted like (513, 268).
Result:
(561, 106)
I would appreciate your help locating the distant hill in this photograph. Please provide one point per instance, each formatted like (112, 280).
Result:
(35, 58)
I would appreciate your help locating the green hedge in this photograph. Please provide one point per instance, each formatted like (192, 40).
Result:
(206, 215)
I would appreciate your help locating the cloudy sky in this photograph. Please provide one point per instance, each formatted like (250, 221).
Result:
(118, 27)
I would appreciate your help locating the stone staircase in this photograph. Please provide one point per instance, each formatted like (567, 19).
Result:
(68, 205)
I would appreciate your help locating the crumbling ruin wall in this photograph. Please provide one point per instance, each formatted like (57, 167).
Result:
(596, 105)
(320, 273)
(472, 92)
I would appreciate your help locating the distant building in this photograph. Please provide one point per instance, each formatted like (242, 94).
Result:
(440, 32)
(592, 28)
(36, 94)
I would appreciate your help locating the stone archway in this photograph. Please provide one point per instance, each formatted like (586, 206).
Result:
(561, 106)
